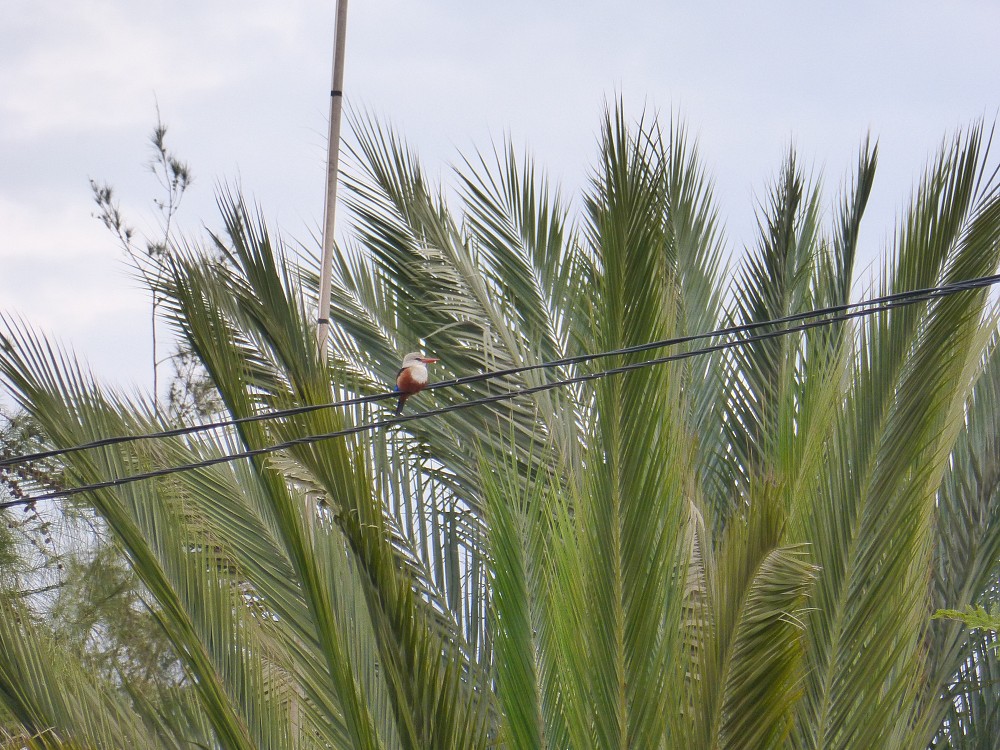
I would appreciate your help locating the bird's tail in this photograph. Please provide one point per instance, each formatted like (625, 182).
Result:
(399, 406)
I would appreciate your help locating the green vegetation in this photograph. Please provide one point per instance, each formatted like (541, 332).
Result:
(742, 549)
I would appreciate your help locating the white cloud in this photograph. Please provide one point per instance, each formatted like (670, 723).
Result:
(92, 65)
(243, 85)
(61, 273)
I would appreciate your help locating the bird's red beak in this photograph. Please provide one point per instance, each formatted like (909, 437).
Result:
(428, 360)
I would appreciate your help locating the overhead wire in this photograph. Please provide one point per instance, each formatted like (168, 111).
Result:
(917, 295)
(848, 312)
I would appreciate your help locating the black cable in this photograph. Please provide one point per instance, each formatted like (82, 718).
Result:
(917, 295)
(896, 301)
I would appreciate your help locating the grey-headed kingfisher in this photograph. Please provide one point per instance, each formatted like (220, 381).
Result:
(412, 377)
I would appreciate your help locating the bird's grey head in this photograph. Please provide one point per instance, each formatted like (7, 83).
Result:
(414, 358)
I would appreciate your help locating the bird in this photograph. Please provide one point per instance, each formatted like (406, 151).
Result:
(412, 377)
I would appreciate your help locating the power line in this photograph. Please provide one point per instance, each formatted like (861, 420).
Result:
(913, 296)
(902, 300)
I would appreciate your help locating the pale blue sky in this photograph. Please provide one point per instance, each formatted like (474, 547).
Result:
(243, 86)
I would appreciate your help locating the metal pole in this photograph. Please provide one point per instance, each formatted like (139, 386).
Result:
(332, 167)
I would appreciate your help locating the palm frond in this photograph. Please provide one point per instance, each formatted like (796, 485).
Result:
(750, 645)
(872, 518)
(54, 699)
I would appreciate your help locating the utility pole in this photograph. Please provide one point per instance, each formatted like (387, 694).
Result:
(332, 168)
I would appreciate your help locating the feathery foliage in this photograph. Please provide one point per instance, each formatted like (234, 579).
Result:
(742, 550)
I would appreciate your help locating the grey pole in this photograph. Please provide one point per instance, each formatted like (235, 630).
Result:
(332, 167)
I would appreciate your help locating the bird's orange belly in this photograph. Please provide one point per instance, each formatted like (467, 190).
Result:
(407, 383)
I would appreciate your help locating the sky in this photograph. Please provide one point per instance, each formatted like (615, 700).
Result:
(243, 88)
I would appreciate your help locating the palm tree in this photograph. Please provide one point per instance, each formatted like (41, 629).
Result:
(740, 549)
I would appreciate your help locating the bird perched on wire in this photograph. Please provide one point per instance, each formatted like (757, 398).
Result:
(412, 377)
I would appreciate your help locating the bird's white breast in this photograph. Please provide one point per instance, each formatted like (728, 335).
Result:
(418, 373)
